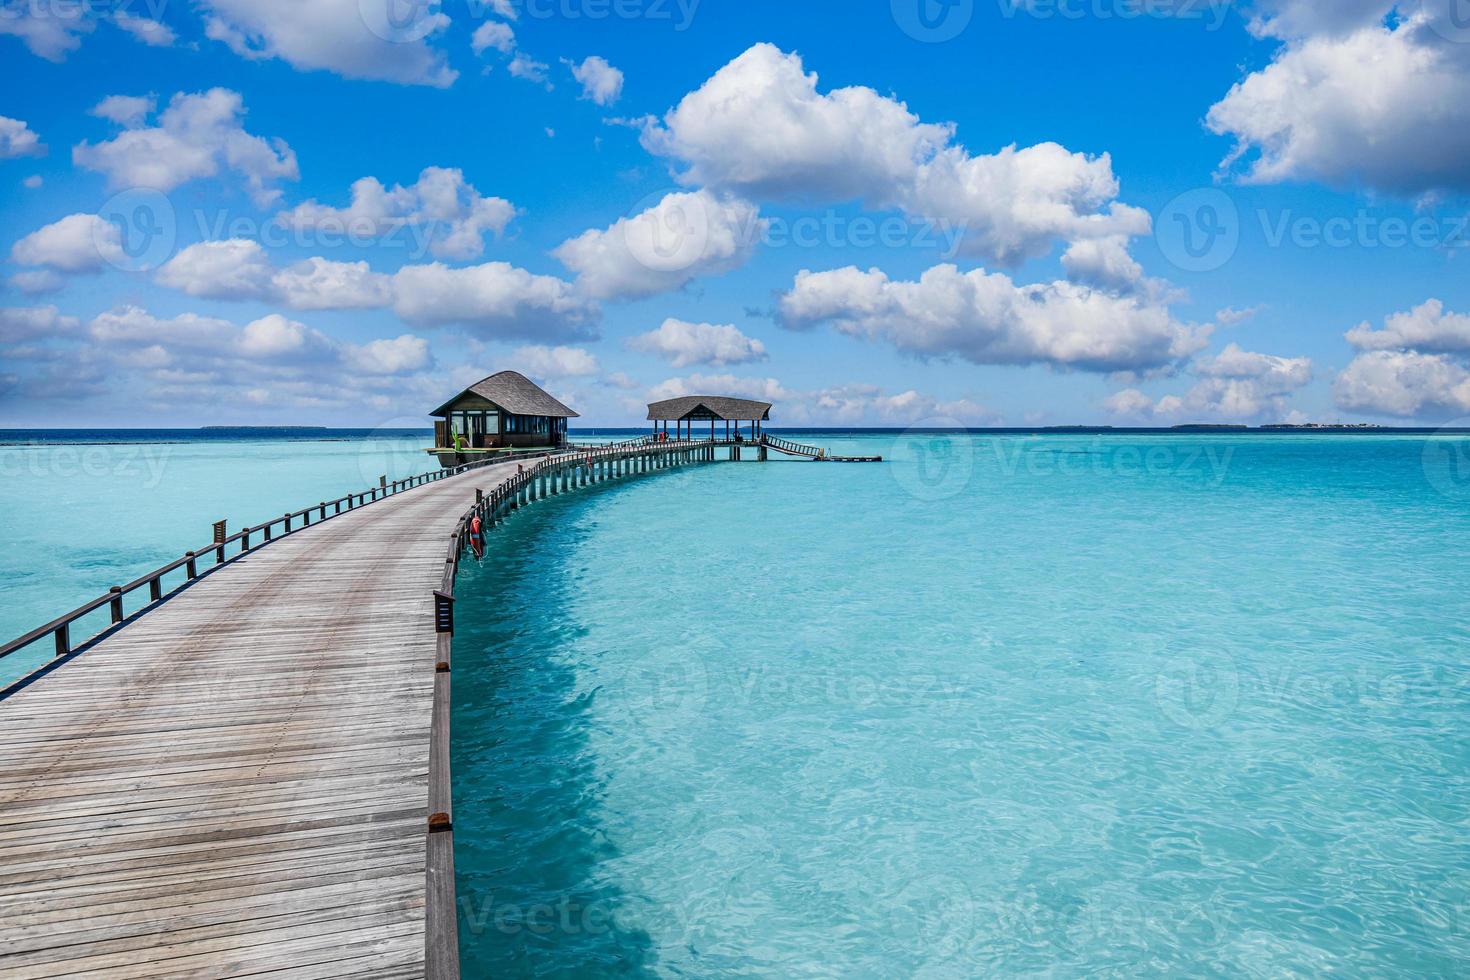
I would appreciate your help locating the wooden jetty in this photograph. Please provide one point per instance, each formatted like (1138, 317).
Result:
(248, 771)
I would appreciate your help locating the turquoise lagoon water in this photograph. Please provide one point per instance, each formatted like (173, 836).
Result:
(1004, 704)
(81, 512)
(1062, 705)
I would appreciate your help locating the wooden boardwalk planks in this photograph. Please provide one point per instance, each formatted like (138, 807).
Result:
(235, 784)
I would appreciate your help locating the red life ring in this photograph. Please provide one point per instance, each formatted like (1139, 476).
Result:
(477, 537)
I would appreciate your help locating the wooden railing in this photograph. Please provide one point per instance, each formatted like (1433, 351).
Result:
(568, 469)
(794, 448)
(441, 932)
(624, 444)
(200, 562)
(814, 452)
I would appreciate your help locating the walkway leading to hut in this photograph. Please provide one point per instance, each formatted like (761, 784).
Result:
(236, 782)
(251, 775)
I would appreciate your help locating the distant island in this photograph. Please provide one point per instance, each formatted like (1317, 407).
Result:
(1277, 427)
(1323, 425)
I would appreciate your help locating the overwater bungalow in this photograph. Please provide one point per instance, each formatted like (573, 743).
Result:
(504, 411)
(720, 411)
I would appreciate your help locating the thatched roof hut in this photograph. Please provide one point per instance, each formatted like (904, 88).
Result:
(504, 411)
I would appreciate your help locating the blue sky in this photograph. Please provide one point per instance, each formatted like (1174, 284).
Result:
(1097, 211)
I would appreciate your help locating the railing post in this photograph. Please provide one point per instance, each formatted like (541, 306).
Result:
(63, 639)
(288, 523)
(193, 569)
(155, 588)
(245, 539)
(116, 603)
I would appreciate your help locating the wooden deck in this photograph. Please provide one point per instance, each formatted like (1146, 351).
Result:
(250, 776)
(235, 784)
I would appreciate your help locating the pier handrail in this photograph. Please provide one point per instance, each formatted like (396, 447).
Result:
(441, 922)
(60, 627)
(814, 452)
(441, 927)
(792, 447)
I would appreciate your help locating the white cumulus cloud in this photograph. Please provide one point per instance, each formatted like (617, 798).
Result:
(37, 282)
(540, 361)
(23, 323)
(370, 39)
(128, 111)
(1355, 102)
(986, 318)
(153, 33)
(683, 344)
(524, 66)
(1428, 327)
(682, 237)
(1234, 385)
(451, 213)
(494, 299)
(759, 127)
(18, 140)
(50, 31)
(239, 269)
(199, 135)
(1414, 366)
(76, 243)
(1404, 384)
(600, 81)
(493, 34)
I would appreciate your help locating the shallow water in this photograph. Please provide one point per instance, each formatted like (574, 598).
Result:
(1002, 705)
(82, 512)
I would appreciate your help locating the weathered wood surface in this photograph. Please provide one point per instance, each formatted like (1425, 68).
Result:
(235, 784)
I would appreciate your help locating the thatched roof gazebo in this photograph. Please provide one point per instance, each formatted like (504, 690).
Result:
(688, 409)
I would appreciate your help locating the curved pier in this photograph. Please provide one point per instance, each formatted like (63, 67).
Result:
(251, 773)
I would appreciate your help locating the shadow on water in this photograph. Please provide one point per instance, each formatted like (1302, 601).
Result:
(530, 852)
